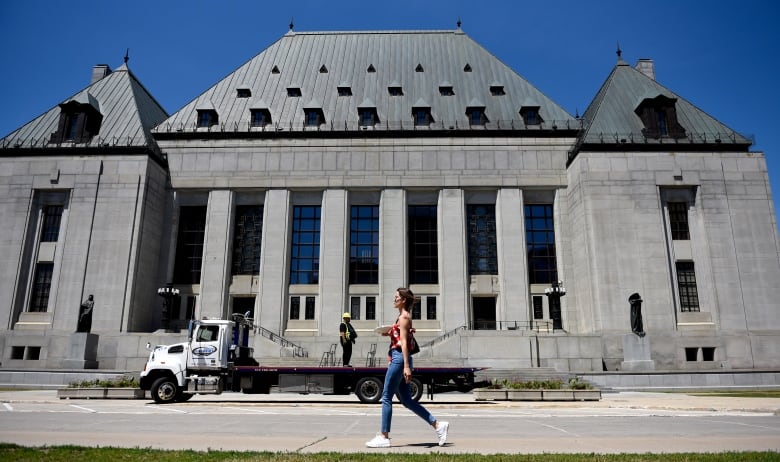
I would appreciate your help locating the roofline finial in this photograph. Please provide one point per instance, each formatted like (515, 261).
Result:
(459, 23)
(291, 24)
(619, 51)
(127, 55)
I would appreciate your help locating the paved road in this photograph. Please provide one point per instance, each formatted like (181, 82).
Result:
(621, 422)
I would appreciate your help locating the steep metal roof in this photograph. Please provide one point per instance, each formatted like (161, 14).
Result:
(419, 62)
(129, 112)
(611, 116)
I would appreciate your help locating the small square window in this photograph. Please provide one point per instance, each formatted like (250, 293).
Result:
(446, 91)
(33, 353)
(395, 91)
(497, 90)
(344, 91)
(17, 352)
(294, 92)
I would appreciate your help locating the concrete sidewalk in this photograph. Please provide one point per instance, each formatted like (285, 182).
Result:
(616, 400)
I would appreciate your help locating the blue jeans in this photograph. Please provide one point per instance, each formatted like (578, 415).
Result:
(396, 385)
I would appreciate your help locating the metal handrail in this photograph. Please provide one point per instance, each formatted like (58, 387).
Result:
(535, 325)
(298, 351)
(443, 337)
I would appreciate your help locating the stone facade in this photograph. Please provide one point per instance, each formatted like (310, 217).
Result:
(121, 231)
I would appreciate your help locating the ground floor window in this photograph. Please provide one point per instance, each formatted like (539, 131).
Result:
(39, 299)
(686, 284)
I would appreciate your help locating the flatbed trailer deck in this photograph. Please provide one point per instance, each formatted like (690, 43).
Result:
(365, 382)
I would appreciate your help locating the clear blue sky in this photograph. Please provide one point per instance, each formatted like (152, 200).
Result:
(721, 56)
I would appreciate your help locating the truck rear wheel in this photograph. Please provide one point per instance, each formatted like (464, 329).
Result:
(416, 389)
(369, 390)
(165, 390)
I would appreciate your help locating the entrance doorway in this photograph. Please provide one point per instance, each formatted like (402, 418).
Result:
(484, 313)
(243, 305)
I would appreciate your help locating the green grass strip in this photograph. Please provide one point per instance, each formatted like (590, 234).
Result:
(11, 452)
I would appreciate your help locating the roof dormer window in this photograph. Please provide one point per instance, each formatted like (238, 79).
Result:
(275, 70)
(422, 116)
(367, 116)
(313, 117)
(344, 91)
(530, 115)
(243, 92)
(79, 122)
(446, 90)
(395, 90)
(294, 92)
(497, 90)
(323, 69)
(207, 118)
(476, 115)
(259, 117)
(659, 116)
(370, 68)
(467, 68)
(419, 68)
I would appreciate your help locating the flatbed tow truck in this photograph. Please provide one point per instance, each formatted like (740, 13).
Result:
(217, 358)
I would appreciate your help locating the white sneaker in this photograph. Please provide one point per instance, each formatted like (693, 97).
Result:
(441, 432)
(380, 441)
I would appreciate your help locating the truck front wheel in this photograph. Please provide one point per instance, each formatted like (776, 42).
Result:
(369, 390)
(165, 390)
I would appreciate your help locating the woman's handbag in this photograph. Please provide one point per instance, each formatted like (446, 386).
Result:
(415, 348)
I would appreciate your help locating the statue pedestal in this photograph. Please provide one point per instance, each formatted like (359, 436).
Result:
(83, 351)
(636, 354)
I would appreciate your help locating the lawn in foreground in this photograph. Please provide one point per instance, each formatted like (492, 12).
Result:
(11, 452)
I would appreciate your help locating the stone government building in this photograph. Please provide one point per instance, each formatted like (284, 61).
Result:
(334, 167)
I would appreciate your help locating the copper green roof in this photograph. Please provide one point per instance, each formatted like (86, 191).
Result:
(611, 118)
(128, 109)
(369, 62)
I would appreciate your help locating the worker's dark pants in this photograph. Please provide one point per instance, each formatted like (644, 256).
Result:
(347, 346)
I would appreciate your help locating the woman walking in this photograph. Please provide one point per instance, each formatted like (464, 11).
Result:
(399, 373)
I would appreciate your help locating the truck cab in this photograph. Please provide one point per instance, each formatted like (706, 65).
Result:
(203, 364)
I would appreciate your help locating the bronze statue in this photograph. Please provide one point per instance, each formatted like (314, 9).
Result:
(636, 314)
(85, 315)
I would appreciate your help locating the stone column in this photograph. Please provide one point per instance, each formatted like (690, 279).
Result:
(334, 238)
(215, 268)
(512, 266)
(274, 261)
(453, 261)
(392, 251)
